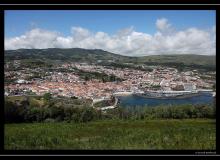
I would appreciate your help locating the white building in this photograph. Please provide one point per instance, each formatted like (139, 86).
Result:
(20, 81)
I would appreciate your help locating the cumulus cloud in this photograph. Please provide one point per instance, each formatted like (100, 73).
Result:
(126, 41)
(35, 38)
(214, 29)
(80, 33)
(162, 24)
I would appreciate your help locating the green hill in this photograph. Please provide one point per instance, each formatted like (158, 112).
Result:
(104, 57)
(182, 58)
(73, 54)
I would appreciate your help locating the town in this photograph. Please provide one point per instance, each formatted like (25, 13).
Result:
(69, 83)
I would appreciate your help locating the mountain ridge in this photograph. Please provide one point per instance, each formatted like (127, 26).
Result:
(95, 55)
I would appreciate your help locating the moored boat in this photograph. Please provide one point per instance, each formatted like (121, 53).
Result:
(214, 94)
(168, 94)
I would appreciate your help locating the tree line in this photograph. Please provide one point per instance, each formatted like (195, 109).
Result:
(56, 111)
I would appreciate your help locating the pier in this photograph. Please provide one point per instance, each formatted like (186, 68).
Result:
(111, 107)
(123, 93)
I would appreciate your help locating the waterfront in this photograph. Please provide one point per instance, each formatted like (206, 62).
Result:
(135, 100)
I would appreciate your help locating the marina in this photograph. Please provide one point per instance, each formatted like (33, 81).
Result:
(156, 98)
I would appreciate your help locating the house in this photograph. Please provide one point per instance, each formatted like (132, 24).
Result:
(20, 81)
(189, 86)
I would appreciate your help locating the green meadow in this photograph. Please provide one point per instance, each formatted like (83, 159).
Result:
(172, 134)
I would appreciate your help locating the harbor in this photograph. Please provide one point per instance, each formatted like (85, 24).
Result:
(155, 98)
(138, 100)
(164, 93)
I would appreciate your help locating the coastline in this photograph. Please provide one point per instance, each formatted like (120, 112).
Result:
(186, 95)
(111, 107)
(165, 94)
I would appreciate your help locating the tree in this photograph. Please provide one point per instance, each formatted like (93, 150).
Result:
(87, 114)
(103, 79)
(112, 78)
(87, 78)
(214, 87)
(47, 96)
(14, 113)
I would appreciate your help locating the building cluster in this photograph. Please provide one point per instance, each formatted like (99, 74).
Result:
(70, 83)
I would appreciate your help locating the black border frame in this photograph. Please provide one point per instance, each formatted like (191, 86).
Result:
(111, 2)
(105, 152)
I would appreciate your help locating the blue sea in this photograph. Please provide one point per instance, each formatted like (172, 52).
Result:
(135, 100)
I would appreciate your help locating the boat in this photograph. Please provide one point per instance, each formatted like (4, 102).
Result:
(167, 94)
(213, 94)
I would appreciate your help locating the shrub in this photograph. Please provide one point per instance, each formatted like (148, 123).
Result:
(56, 113)
(26, 110)
(14, 112)
(87, 114)
(49, 120)
(68, 111)
(47, 96)
(35, 114)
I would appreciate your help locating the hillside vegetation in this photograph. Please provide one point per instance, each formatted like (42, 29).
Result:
(57, 55)
(191, 134)
(72, 55)
(186, 59)
(48, 109)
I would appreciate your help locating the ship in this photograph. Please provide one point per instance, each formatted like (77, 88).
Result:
(168, 94)
(213, 94)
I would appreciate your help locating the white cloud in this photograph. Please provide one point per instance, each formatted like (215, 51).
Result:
(80, 33)
(162, 24)
(214, 29)
(126, 41)
(35, 38)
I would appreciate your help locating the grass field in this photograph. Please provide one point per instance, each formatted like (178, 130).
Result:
(112, 134)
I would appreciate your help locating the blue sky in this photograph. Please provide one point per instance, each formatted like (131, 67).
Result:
(18, 22)
(126, 32)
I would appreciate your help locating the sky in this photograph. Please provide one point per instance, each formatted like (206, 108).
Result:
(125, 32)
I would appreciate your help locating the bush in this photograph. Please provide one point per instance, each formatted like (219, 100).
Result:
(175, 112)
(47, 96)
(15, 112)
(88, 114)
(56, 113)
(27, 111)
(49, 120)
(35, 114)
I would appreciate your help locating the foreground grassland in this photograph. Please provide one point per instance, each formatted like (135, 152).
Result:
(112, 134)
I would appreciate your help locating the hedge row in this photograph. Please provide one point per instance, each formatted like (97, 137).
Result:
(24, 111)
